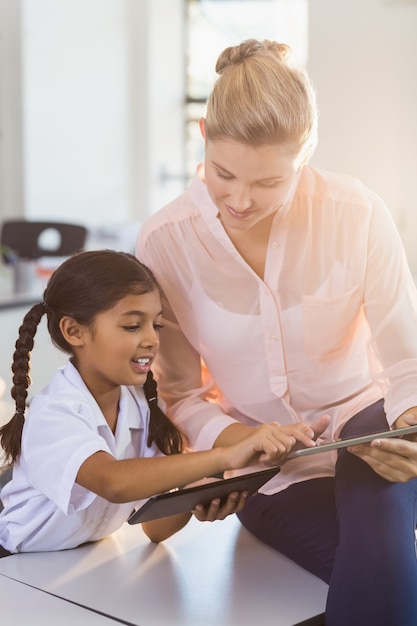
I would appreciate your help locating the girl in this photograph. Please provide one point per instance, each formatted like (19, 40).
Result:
(95, 441)
(296, 279)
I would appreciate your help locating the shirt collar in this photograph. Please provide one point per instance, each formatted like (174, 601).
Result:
(136, 418)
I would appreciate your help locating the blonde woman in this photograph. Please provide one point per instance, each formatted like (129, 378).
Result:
(288, 297)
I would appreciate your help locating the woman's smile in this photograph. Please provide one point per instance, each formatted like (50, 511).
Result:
(240, 215)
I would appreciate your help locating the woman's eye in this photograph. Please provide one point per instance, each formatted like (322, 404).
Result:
(224, 176)
(272, 183)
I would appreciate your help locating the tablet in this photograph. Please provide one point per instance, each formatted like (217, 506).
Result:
(186, 499)
(353, 441)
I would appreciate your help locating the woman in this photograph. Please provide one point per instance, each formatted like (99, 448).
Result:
(289, 298)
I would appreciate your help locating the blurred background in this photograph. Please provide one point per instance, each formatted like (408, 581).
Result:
(100, 101)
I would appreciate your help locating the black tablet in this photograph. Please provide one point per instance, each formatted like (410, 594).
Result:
(353, 441)
(187, 498)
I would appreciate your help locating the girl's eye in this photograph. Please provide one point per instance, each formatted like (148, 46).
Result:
(131, 329)
(158, 327)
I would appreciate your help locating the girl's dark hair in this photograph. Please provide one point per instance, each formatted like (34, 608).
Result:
(84, 285)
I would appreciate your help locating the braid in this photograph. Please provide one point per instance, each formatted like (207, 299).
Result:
(162, 430)
(11, 433)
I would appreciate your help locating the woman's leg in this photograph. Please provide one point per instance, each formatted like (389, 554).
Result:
(299, 522)
(372, 568)
(374, 578)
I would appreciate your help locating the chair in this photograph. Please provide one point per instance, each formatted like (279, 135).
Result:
(27, 240)
(5, 475)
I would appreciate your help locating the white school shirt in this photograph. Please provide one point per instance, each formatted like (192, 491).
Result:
(44, 508)
(331, 328)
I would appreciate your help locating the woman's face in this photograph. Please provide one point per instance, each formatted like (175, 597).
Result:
(248, 184)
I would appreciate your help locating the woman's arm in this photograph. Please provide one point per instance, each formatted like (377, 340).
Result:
(390, 304)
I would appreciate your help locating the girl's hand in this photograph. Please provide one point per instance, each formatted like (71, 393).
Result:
(269, 444)
(393, 459)
(235, 503)
(320, 425)
(160, 529)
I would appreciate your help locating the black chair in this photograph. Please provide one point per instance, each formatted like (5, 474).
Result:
(27, 240)
(5, 475)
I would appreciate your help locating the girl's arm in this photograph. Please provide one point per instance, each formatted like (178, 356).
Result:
(160, 529)
(135, 479)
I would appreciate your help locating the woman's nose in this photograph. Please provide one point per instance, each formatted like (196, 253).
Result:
(240, 199)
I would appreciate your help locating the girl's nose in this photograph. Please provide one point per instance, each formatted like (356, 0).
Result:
(151, 338)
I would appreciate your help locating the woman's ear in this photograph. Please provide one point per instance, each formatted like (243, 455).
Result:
(72, 331)
(202, 124)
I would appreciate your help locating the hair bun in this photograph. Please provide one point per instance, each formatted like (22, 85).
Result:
(248, 48)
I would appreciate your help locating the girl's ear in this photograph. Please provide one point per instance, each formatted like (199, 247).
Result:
(72, 331)
(202, 124)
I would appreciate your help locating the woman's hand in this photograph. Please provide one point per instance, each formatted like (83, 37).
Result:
(393, 459)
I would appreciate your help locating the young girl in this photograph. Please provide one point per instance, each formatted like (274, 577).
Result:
(95, 441)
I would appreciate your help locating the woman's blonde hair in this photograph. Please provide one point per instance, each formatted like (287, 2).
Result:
(259, 98)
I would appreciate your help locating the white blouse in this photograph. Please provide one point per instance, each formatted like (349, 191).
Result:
(44, 508)
(331, 328)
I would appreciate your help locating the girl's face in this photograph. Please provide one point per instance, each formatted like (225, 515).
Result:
(120, 347)
(248, 184)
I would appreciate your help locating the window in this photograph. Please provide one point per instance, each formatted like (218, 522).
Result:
(211, 26)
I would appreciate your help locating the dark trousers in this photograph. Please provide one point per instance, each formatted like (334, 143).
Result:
(355, 531)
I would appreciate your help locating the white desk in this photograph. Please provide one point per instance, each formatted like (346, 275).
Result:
(206, 575)
(20, 604)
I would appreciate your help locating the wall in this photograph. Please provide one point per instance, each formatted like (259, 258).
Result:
(11, 156)
(45, 357)
(156, 104)
(102, 85)
(362, 60)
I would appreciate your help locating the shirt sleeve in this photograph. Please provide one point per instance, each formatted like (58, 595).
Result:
(60, 433)
(390, 299)
(187, 386)
(184, 382)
